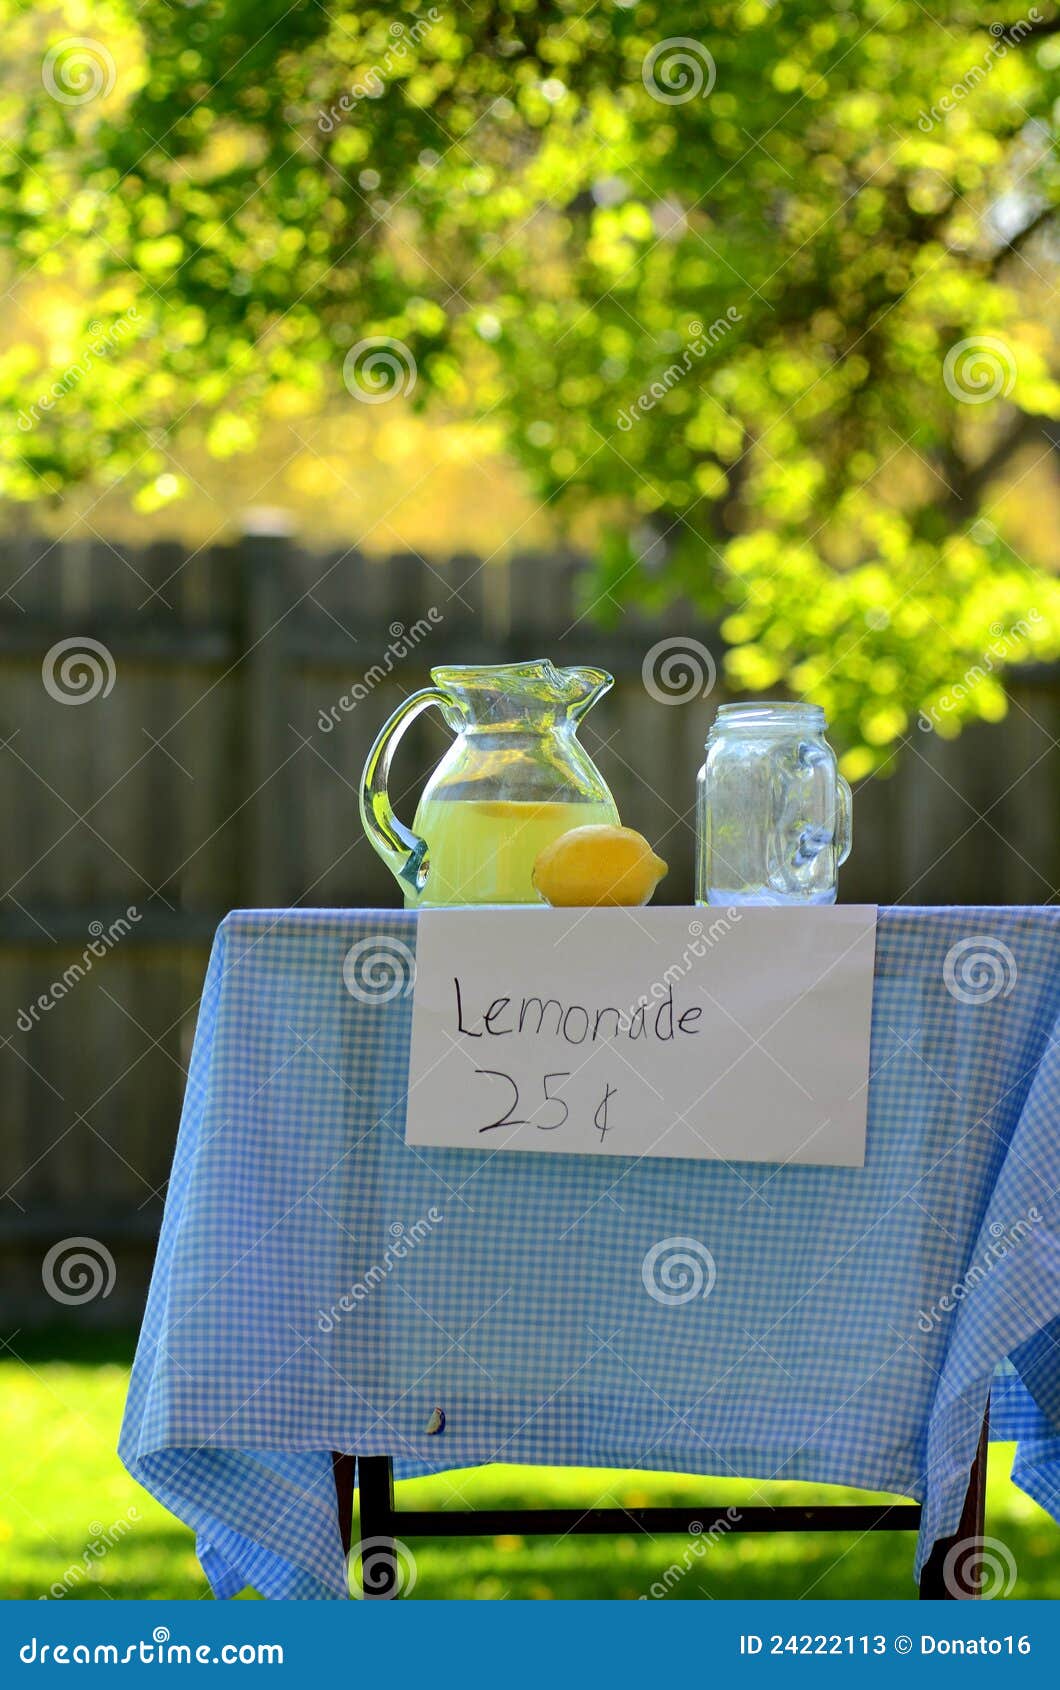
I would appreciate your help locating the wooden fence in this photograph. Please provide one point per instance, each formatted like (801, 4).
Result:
(236, 692)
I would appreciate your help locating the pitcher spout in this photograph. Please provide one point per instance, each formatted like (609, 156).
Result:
(582, 687)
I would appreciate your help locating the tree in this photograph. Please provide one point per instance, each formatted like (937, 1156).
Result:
(769, 285)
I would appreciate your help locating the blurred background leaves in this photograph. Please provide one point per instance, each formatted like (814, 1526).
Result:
(756, 302)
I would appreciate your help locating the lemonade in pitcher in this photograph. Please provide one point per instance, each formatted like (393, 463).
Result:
(514, 779)
(483, 850)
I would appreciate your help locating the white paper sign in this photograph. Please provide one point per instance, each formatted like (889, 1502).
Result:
(705, 1033)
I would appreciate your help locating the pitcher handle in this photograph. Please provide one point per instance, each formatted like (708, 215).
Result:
(844, 828)
(403, 851)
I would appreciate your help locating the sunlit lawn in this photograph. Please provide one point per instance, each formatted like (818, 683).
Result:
(61, 1484)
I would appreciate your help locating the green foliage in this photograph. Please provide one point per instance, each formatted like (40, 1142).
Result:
(723, 301)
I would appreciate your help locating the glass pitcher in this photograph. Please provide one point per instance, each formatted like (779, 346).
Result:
(774, 815)
(513, 780)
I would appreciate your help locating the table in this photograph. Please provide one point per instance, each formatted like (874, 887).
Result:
(321, 1287)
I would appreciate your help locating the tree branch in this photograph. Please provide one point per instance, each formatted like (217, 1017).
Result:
(1022, 236)
(971, 485)
(1014, 34)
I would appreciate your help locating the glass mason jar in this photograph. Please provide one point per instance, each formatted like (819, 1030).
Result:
(773, 813)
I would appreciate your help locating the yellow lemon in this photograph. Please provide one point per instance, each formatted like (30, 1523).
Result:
(601, 864)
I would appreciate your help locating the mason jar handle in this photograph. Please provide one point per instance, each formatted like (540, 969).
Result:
(403, 851)
(844, 820)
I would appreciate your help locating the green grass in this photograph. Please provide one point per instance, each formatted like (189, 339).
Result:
(59, 1478)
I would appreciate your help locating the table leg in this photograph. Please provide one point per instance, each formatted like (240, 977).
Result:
(379, 1575)
(344, 1468)
(951, 1571)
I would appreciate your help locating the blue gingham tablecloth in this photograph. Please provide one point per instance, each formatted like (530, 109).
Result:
(321, 1286)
